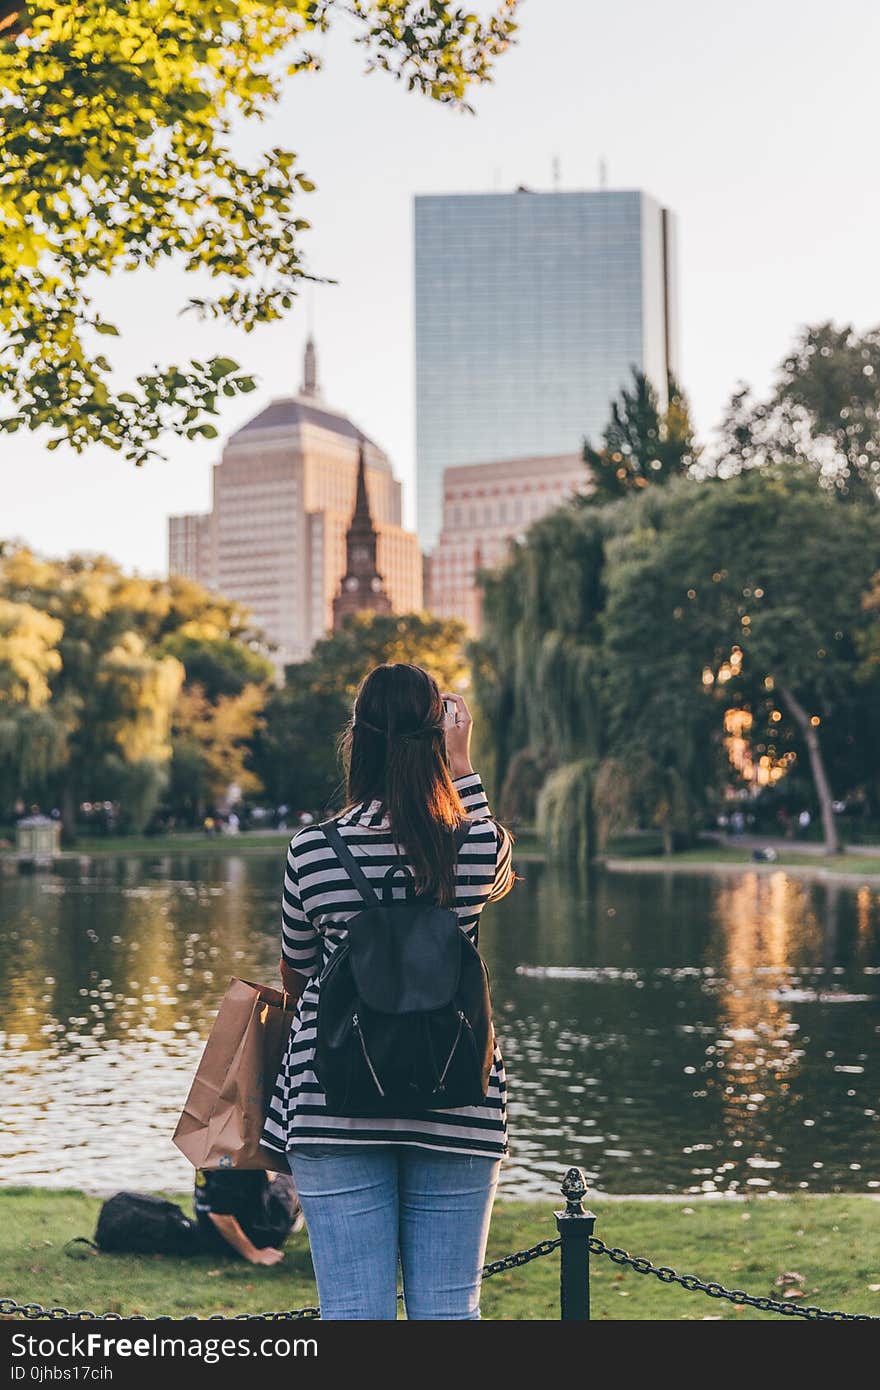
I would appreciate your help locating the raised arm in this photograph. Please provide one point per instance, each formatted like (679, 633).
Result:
(505, 877)
(473, 796)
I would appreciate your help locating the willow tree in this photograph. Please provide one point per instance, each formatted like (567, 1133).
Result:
(32, 741)
(128, 726)
(111, 694)
(113, 686)
(28, 654)
(617, 639)
(211, 747)
(116, 152)
(537, 671)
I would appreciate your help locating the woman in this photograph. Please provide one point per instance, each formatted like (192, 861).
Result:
(418, 1189)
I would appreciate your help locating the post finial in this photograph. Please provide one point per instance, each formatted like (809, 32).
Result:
(574, 1190)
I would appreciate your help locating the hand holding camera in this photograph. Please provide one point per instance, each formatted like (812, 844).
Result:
(458, 725)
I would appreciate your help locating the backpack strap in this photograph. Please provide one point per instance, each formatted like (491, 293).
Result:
(388, 881)
(356, 873)
(461, 835)
(350, 864)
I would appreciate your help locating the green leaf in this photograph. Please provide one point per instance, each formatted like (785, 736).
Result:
(222, 366)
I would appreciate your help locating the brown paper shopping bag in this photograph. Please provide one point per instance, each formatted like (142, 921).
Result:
(222, 1119)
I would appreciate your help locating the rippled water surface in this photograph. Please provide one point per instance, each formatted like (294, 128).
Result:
(669, 1034)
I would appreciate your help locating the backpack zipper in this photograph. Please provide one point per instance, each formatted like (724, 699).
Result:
(357, 1027)
(439, 1086)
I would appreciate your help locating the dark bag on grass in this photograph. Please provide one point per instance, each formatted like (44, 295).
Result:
(404, 1016)
(137, 1224)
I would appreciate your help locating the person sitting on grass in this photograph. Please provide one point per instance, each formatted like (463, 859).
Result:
(248, 1213)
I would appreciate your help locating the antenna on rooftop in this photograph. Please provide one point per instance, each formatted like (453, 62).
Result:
(557, 173)
(603, 173)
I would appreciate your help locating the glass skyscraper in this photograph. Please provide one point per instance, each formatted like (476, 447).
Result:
(531, 309)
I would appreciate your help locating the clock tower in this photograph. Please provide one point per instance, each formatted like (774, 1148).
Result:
(362, 586)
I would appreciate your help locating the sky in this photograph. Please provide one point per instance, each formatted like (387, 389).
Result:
(755, 123)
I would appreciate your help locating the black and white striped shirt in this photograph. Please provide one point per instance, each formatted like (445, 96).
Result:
(318, 899)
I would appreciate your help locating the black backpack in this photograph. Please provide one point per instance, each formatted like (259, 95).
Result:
(138, 1224)
(404, 1015)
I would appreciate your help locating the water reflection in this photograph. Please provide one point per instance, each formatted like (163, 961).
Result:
(668, 1033)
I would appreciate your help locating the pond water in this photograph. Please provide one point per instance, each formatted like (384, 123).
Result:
(668, 1033)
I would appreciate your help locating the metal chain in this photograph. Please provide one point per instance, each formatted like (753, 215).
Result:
(522, 1257)
(9, 1307)
(642, 1265)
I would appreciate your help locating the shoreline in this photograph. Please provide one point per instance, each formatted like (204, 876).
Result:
(101, 1193)
(263, 843)
(809, 873)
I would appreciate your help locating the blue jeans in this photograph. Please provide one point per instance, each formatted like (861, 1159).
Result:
(368, 1205)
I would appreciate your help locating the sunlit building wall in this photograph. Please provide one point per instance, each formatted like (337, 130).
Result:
(190, 547)
(484, 507)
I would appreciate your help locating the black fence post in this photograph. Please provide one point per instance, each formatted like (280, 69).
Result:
(575, 1227)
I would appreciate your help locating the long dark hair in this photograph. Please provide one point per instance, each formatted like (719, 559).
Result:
(394, 752)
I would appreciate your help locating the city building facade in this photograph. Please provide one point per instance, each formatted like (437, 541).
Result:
(531, 310)
(189, 547)
(283, 496)
(485, 506)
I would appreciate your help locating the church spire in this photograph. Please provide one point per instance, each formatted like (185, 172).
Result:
(310, 369)
(362, 585)
(362, 502)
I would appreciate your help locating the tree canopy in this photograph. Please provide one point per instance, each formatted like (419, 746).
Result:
(633, 649)
(824, 410)
(95, 686)
(644, 442)
(117, 154)
(750, 593)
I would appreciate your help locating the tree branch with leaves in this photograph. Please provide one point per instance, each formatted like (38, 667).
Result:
(116, 154)
(824, 410)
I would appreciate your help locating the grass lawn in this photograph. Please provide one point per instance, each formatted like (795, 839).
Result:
(849, 865)
(197, 842)
(184, 842)
(831, 1243)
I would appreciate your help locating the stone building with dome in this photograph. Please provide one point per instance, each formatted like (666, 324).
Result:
(287, 488)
